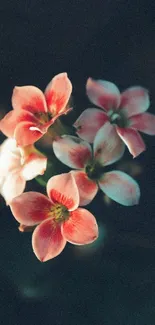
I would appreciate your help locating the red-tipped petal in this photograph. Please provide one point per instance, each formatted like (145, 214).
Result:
(89, 122)
(13, 186)
(30, 208)
(108, 147)
(34, 165)
(134, 100)
(120, 187)
(63, 189)
(144, 123)
(86, 187)
(27, 133)
(57, 93)
(132, 139)
(72, 151)
(47, 240)
(81, 227)
(103, 93)
(29, 98)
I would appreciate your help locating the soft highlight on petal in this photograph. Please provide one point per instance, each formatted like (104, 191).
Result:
(89, 122)
(103, 93)
(25, 135)
(132, 139)
(108, 147)
(72, 151)
(134, 100)
(30, 208)
(144, 122)
(120, 187)
(34, 165)
(57, 93)
(10, 157)
(63, 189)
(29, 98)
(47, 240)
(13, 185)
(81, 227)
(86, 187)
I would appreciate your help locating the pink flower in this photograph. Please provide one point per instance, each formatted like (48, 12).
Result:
(124, 111)
(34, 111)
(90, 176)
(18, 165)
(59, 218)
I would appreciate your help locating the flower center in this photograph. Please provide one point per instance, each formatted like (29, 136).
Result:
(94, 170)
(43, 117)
(118, 118)
(59, 212)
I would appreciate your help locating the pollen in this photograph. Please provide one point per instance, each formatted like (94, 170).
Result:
(59, 213)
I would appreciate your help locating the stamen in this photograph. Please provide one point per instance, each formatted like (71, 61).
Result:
(94, 171)
(43, 117)
(59, 213)
(115, 116)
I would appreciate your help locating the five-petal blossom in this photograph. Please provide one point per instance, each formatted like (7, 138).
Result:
(107, 149)
(126, 112)
(34, 111)
(58, 218)
(18, 165)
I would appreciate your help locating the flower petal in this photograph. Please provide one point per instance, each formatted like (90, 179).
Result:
(10, 121)
(81, 227)
(30, 208)
(86, 187)
(89, 122)
(132, 139)
(108, 147)
(134, 100)
(13, 186)
(10, 157)
(9, 145)
(57, 93)
(26, 133)
(72, 151)
(29, 98)
(63, 189)
(103, 93)
(144, 123)
(47, 240)
(34, 165)
(8, 124)
(120, 187)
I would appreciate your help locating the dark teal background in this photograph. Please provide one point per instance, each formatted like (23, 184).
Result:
(114, 282)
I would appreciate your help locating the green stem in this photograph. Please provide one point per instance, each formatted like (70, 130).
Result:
(58, 129)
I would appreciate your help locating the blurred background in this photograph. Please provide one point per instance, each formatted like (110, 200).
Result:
(111, 282)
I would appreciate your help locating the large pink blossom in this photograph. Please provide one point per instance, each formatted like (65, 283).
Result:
(126, 112)
(58, 218)
(34, 111)
(90, 166)
(18, 165)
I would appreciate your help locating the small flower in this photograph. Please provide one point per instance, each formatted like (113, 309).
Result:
(90, 176)
(18, 165)
(34, 111)
(124, 111)
(58, 218)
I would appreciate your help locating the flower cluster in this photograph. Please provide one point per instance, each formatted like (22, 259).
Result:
(101, 135)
